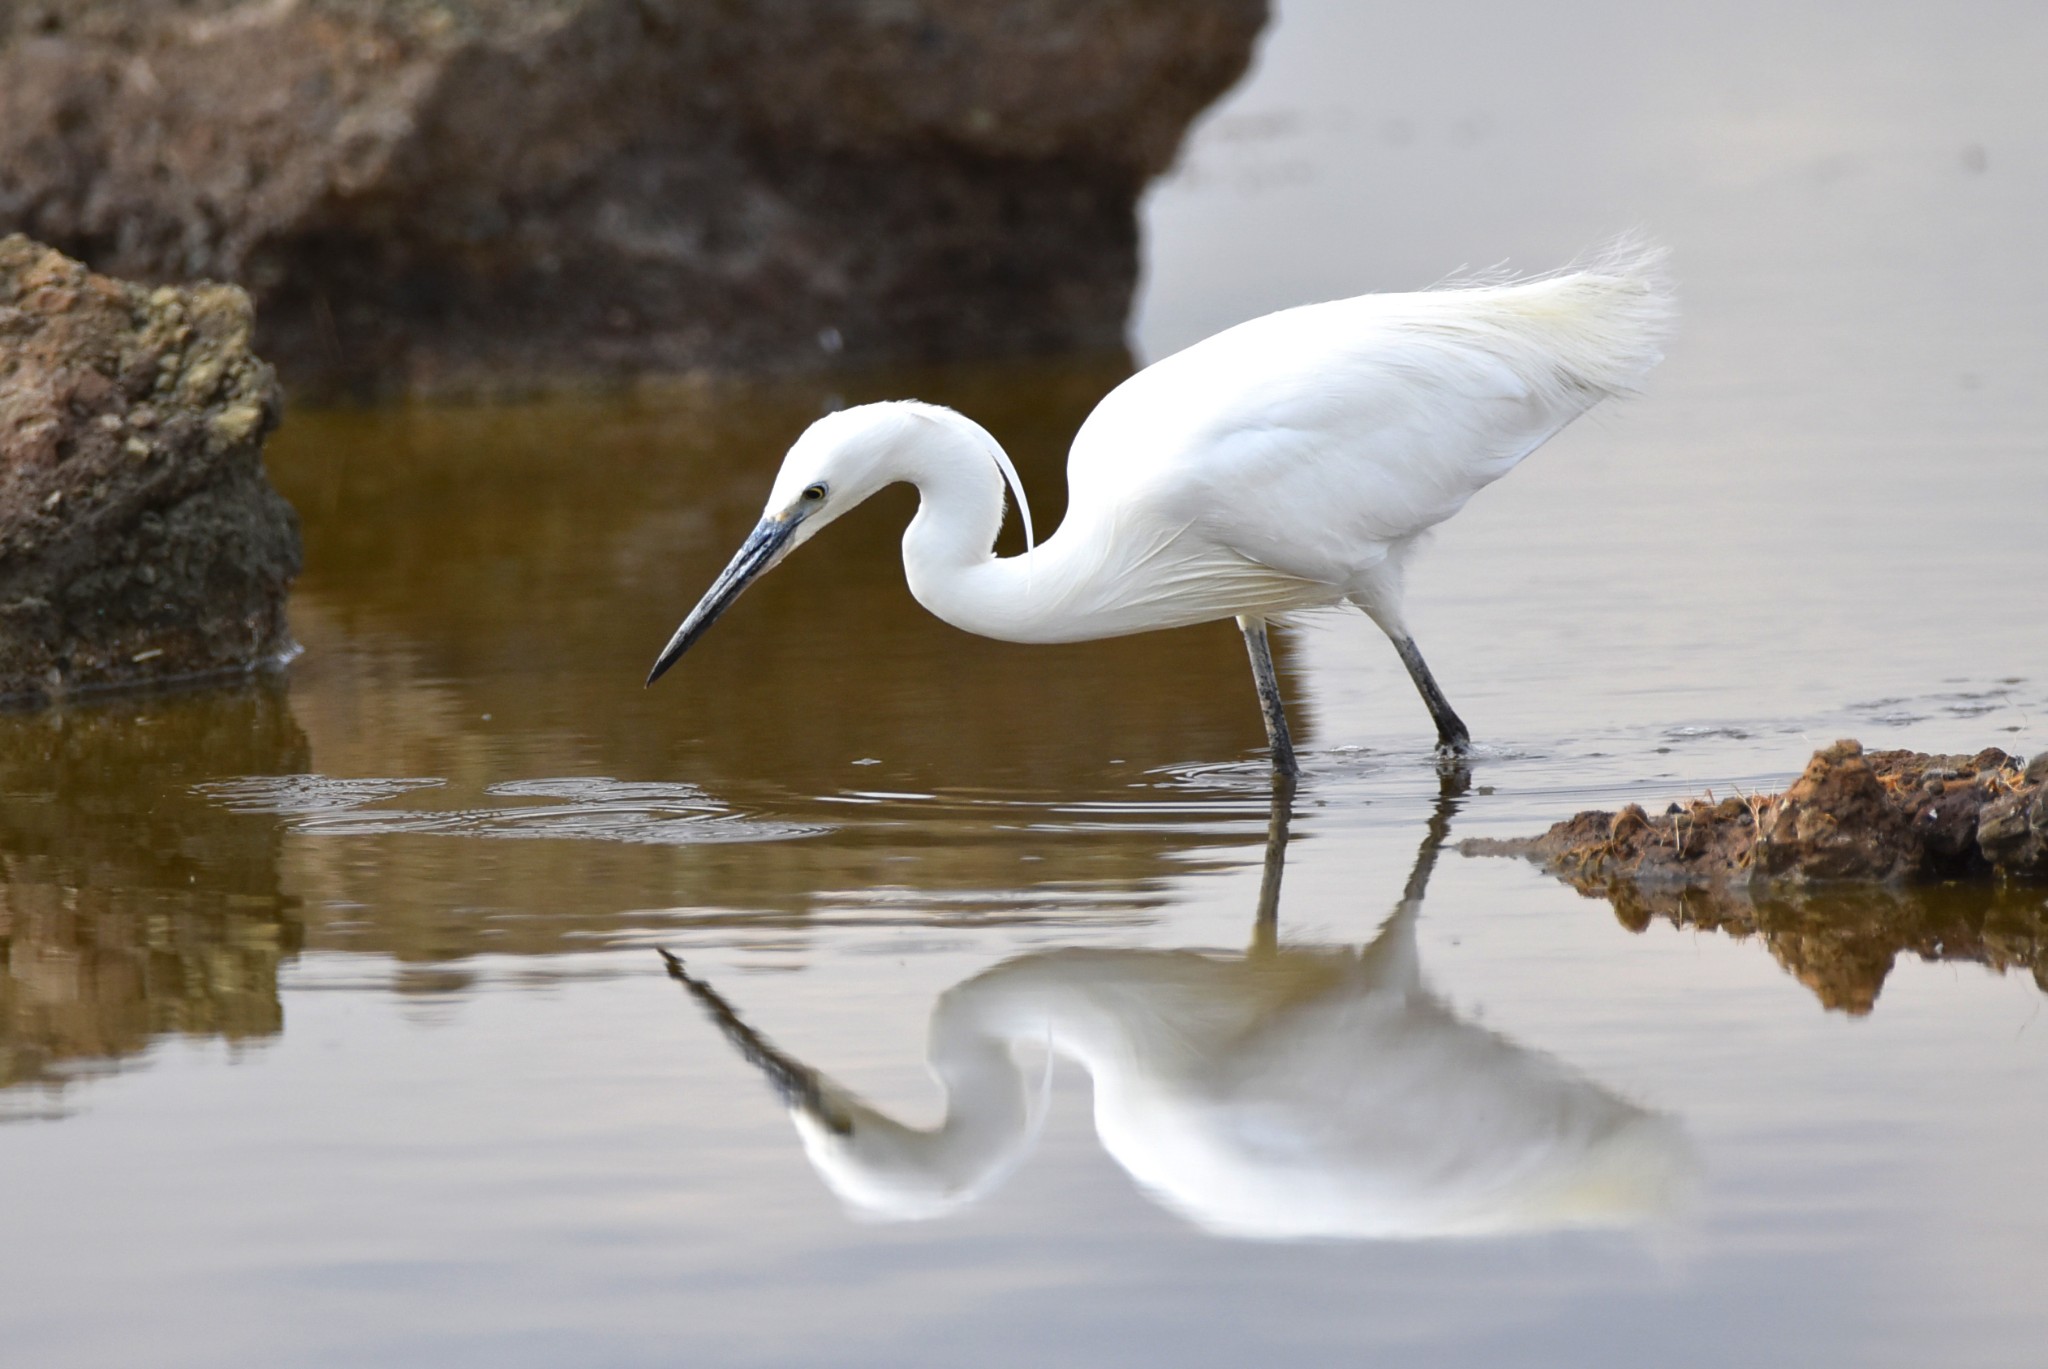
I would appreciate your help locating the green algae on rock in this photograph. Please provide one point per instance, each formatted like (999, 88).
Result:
(140, 541)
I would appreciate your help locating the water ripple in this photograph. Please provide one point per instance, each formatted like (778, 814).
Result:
(590, 809)
(306, 794)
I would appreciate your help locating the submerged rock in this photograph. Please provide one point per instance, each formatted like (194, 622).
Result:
(465, 194)
(139, 539)
(1883, 817)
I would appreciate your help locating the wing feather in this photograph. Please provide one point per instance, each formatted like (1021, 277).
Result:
(1312, 439)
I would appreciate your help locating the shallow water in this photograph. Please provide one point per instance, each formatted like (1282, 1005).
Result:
(332, 1031)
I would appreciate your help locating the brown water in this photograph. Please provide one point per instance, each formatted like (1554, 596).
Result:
(331, 1029)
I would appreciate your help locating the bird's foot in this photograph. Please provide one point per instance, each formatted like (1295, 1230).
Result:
(1453, 772)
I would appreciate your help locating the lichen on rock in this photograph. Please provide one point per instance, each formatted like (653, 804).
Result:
(139, 538)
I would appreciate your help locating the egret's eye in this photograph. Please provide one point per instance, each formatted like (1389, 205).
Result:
(813, 493)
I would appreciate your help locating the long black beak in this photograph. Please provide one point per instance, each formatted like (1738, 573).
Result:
(795, 1083)
(761, 550)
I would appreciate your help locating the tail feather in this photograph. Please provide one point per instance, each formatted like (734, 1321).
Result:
(1592, 330)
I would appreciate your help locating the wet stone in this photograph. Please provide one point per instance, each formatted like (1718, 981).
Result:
(1882, 817)
(124, 560)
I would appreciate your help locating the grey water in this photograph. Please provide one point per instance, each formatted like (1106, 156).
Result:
(332, 1029)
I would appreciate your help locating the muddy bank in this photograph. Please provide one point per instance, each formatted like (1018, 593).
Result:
(1885, 817)
(139, 539)
(447, 195)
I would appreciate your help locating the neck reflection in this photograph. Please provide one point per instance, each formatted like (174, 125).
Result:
(1293, 1091)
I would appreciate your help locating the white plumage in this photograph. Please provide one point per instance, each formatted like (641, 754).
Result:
(1290, 462)
(1291, 1092)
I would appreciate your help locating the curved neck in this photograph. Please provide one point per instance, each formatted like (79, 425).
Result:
(1109, 570)
(871, 1159)
(960, 499)
(883, 1166)
(952, 538)
(988, 1104)
(1061, 591)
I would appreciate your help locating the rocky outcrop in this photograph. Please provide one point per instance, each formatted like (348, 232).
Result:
(1867, 856)
(139, 539)
(475, 194)
(1885, 817)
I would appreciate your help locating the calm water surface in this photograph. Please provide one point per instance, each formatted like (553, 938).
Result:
(332, 1030)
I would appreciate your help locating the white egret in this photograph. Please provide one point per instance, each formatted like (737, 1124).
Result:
(1290, 1092)
(1288, 463)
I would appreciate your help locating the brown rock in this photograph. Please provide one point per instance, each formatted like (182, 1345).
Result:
(1837, 822)
(2012, 830)
(481, 193)
(1884, 817)
(139, 539)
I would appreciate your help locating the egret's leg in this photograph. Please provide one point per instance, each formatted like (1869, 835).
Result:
(1450, 730)
(1254, 630)
(1453, 782)
(1266, 927)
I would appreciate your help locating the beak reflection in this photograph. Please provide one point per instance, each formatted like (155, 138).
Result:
(762, 549)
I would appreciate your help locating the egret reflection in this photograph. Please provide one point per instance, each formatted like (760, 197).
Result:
(1289, 1092)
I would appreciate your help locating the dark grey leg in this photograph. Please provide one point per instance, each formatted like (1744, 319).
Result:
(1275, 712)
(1266, 928)
(1453, 782)
(1450, 731)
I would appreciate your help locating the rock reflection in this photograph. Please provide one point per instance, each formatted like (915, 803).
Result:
(129, 906)
(1842, 943)
(1290, 1092)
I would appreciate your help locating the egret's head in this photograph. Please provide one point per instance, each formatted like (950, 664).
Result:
(839, 461)
(876, 1165)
